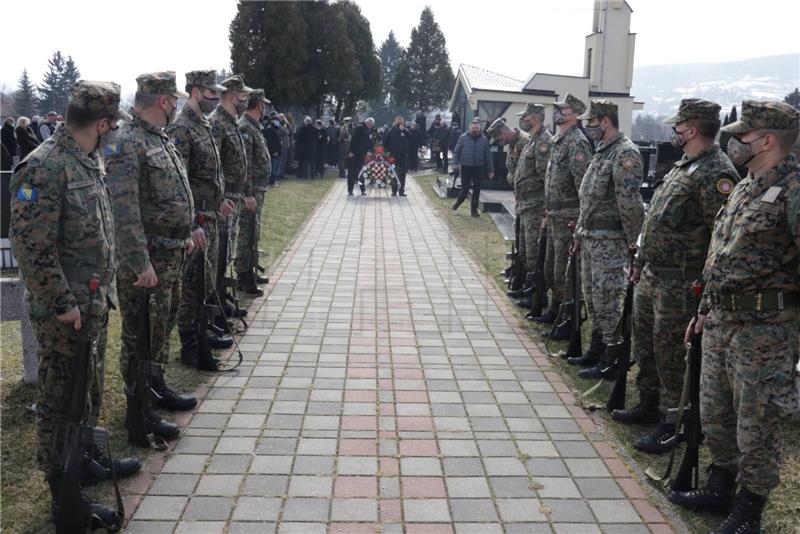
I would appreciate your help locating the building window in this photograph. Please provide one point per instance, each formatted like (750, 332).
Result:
(489, 110)
(589, 63)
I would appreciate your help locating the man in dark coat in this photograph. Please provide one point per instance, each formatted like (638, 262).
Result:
(26, 139)
(320, 148)
(415, 140)
(306, 138)
(360, 144)
(433, 142)
(8, 137)
(332, 150)
(396, 144)
(274, 147)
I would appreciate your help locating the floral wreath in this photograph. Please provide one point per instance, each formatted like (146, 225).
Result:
(378, 169)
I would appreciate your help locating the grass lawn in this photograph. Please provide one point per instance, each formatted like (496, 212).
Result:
(483, 241)
(25, 498)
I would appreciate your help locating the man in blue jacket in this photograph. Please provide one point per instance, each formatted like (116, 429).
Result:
(472, 158)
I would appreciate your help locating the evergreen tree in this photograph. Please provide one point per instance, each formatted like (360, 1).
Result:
(54, 92)
(223, 75)
(366, 83)
(793, 99)
(25, 97)
(424, 79)
(269, 46)
(385, 108)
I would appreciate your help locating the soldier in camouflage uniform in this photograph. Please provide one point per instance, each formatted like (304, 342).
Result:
(674, 245)
(750, 319)
(569, 157)
(609, 222)
(259, 168)
(231, 147)
(153, 217)
(529, 186)
(62, 233)
(191, 135)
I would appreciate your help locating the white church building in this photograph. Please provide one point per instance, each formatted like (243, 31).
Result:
(607, 74)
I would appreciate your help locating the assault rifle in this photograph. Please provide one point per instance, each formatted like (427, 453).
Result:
(575, 349)
(79, 437)
(223, 280)
(540, 289)
(254, 265)
(619, 352)
(143, 373)
(687, 426)
(516, 275)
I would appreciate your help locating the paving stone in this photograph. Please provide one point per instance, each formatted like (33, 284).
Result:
(614, 511)
(354, 510)
(426, 511)
(266, 485)
(161, 508)
(473, 510)
(310, 486)
(307, 510)
(257, 509)
(467, 487)
(219, 485)
(568, 510)
(599, 488)
(512, 487)
(178, 485)
(518, 510)
(209, 508)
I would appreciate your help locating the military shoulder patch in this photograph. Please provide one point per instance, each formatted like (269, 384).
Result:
(543, 147)
(27, 193)
(627, 163)
(113, 148)
(725, 185)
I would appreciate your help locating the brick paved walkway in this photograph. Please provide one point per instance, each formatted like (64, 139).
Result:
(387, 389)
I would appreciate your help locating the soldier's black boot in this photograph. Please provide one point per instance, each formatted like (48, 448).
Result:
(97, 467)
(525, 302)
(593, 354)
(215, 341)
(549, 317)
(516, 287)
(100, 516)
(562, 331)
(644, 413)
(262, 279)
(170, 400)
(718, 492)
(745, 518)
(659, 441)
(141, 421)
(602, 369)
(474, 212)
(188, 347)
(246, 282)
(458, 202)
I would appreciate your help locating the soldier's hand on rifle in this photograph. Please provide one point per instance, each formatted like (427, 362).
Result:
(199, 239)
(636, 273)
(147, 278)
(72, 317)
(697, 326)
(250, 203)
(226, 207)
(189, 246)
(575, 247)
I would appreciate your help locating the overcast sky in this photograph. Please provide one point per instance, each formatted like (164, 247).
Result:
(112, 40)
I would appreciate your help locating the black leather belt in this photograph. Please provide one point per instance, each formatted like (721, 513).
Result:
(562, 204)
(169, 232)
(675, 273)
(764, 300)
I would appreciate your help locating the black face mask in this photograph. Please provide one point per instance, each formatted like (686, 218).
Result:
(207, 104)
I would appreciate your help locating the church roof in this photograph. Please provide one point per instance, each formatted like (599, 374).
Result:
(486, 80)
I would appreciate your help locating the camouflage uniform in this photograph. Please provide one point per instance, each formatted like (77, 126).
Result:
(514, 150)
(259, 168)
(153, 214)
(529, 192)
(748, 381)
(191, 135)
(62, 233)
(674, 245)
(610, 219)
(234, 163)
(569, 157)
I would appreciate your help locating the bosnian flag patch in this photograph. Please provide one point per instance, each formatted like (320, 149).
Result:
(27, 193)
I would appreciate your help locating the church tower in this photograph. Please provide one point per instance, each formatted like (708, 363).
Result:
(608, 62)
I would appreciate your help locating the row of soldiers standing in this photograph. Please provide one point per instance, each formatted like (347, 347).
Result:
(740, 238)
(133, 213)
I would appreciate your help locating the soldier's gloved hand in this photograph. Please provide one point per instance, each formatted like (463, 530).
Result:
(198, 239)
(226, 207)
(250, 203)
(697, 326)
(147, 278)
(72, 317)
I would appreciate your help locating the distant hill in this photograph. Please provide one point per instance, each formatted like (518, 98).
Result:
(661, 87)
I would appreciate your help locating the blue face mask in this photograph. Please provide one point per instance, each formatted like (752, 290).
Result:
(276, 123)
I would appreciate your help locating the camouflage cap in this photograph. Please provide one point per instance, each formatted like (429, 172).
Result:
(571, 101)
(694, 108)
(599, 108)
(236, 84)
(259, 93)
(159, 83)
(767, 115)
(496, 128)
(100, 97)
(204, 78)
(531, 108)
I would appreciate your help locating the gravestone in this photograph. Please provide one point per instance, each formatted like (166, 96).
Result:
(14, 307)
